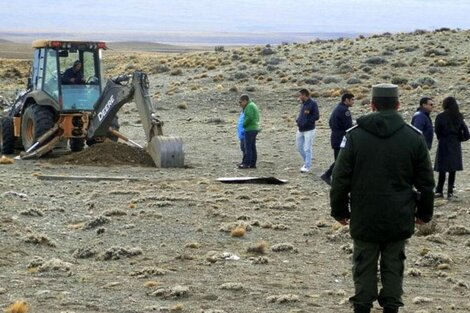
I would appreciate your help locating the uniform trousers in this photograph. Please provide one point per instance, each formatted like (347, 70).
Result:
(366, 257)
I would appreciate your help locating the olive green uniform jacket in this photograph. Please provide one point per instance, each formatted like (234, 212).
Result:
(381, 160)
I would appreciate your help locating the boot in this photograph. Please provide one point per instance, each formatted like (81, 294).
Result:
(390, 310)
(361, 309)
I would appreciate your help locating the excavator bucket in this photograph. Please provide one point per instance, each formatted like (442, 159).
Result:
(166, 151)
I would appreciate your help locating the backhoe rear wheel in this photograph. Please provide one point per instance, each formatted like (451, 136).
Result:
(7, 138)
(36, 121)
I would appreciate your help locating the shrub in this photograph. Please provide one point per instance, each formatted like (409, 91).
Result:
(240, 75)
(331, 79)
(273, 61)
(434, 52)
(267, 51)
(375, 60)
(426, 80)
(353, 80)
(399, 81)
(312, 81)
(176, 72)
(399, 64)
(219, 48)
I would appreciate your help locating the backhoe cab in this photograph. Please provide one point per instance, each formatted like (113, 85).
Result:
(55, 108)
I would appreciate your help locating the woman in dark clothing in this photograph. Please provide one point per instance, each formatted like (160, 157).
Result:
(450, 130)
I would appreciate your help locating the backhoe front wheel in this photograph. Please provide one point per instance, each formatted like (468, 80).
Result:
(35, 122)
(7, 137)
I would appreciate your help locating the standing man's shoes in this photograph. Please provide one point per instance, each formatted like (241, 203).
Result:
(438, 195)
(243, 166)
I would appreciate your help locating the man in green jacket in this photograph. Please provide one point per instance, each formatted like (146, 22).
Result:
(381, 160)
(251, 127)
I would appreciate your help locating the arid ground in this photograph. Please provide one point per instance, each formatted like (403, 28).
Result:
(126, 238)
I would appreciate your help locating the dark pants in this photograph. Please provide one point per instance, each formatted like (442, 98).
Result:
(242, 147)
(332, 166)
(442, 180)
(250, 148)
(365, 260)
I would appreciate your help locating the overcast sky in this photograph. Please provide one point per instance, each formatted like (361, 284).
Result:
(311, 16)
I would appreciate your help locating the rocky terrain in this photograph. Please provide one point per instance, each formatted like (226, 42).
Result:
(80, 234)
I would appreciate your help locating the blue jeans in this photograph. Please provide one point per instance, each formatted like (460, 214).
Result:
(304, 141)
(250, 148)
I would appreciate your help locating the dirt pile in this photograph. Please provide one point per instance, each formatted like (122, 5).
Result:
(108, 154)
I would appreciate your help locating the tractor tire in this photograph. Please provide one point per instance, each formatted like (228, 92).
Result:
(35, 122)
(76, 144)
(7, 138)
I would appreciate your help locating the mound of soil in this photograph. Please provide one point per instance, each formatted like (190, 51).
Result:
(108, 154)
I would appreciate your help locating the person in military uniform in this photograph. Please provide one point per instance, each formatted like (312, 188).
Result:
(381, 160)
(340, 121)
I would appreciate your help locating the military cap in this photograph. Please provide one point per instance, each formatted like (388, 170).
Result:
(385, 91)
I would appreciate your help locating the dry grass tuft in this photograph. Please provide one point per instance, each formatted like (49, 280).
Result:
(19, 306)
(177, 307)
(151, 283)
(259, 248)
(6, 160)
(238, 232)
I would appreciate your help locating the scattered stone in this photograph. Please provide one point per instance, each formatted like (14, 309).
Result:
(12, 193)
(232, 286)
(84, 253)
(421, 300)
(32, 212)
(99, 221)
(282, 247)
(458, 230)
(311, 232)
(171, 292)
(36, 262)
(228, 227)
(261, 260)
(55, 264)
(443, 266)
(116, 253)
(437, 238)
(288, 298)
(413, 272)
(431, 259)
(215, 120)
(39, 240)
(192, 245)
(115, 212)
(149, 272)
(338, 292)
